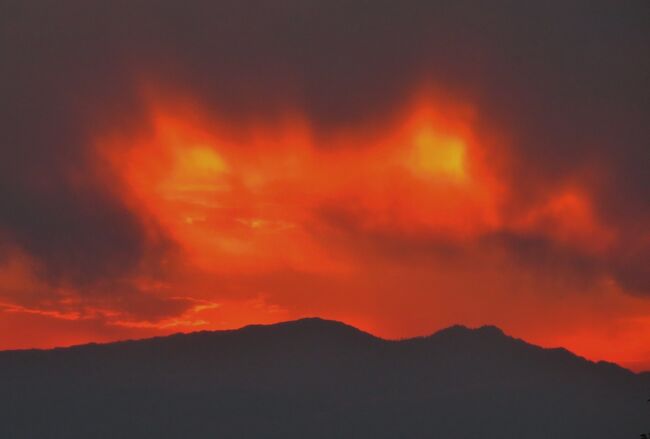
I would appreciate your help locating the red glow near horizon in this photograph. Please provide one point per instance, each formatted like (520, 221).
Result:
(383, 228)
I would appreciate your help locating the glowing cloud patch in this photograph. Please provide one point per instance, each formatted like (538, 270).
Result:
(437, 156)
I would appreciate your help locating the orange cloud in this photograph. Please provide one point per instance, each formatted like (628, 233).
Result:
(231, 199)
(400, 227)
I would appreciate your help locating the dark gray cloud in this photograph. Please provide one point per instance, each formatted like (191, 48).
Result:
(567, 80)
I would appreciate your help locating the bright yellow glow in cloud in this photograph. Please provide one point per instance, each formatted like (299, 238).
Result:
(439, 156)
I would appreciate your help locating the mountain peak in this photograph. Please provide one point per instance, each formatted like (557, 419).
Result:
(491, 330)
(310, 327)
(306, 323)
(462, 330)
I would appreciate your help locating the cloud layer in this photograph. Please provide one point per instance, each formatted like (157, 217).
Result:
(402, 165)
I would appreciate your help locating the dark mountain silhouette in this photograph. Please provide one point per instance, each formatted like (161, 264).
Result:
(314, 378)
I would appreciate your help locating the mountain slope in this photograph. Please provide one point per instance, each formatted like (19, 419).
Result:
(318, 378)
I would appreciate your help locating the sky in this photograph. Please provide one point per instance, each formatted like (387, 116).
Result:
(400, 166)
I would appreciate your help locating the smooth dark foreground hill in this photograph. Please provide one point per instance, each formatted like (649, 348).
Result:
(314, 378)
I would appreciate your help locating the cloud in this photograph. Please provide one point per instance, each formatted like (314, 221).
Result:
(296, 120)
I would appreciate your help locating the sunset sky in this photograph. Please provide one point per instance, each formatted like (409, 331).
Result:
(402, 166)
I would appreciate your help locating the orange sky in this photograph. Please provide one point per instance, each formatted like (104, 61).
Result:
(400, 226)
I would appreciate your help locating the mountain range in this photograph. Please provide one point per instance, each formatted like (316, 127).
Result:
(314, 378)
